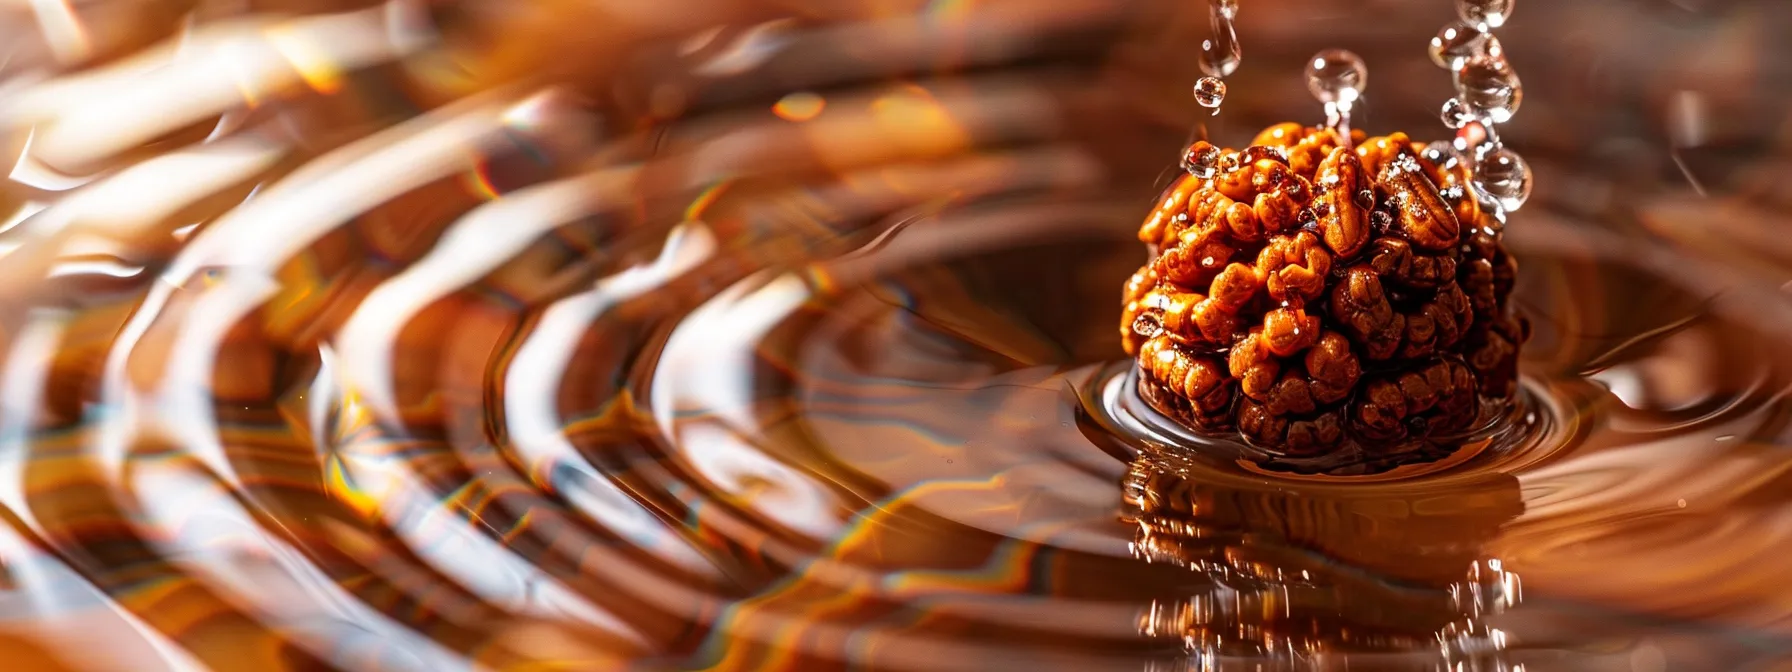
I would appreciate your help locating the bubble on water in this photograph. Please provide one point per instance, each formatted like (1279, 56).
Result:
(1457, 43)
(1337, 76)
(1488, 86)
(1201, 160)
(1442, 154)
(1225, 8)
(1221, 54)
(1503, 177)
(1210, 92)
(1456, 114)
(1485, 13)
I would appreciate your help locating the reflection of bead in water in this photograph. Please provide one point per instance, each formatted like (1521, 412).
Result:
(1210, 92)
(1457, 43)
(1490, 88)
(1503, 177)
(1336, 76)
(1221, 55)
(1489, 13)
(1455, 114)
(1201, 160)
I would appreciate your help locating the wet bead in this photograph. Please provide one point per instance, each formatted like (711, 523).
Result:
(1457, 43)
(1210, 92)
(1486, 13)
(1503, 177)
(1336, 76)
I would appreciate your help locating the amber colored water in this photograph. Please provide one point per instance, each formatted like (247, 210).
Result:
(609, 353)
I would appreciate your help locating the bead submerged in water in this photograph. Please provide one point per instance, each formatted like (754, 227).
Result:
(1503, 177)
(1490, 88)
(1337, 76)
(1488, 13)
(1210, 92)
(1201, 160)
(1456, 44)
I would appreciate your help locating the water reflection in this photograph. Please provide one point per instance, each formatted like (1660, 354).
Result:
(725, 334)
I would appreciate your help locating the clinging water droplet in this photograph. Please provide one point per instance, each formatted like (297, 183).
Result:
(1443, 155)
(1210, 92)
(1456, 114)
(1225, 8)
(1503, 177)
(1337, 76)
(1457, 43)
(1201, 160)
(1221, 54)
(1489, 87)
(1486, 13)
(1148, 324)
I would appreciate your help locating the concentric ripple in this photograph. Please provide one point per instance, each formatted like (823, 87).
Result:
(726, 334)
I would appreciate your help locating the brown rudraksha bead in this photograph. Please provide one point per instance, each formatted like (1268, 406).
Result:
(1308, 296)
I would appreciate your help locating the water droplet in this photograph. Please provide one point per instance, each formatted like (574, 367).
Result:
(1201, 160)
(1503, 177)
(1489, 87)
(1485, 13)
(1210, 92)
(1442, 154)
(1148, 324)
(1337, 76)
(1456, 114)
(1225, 8)
(1221, 54)
(1457, 43)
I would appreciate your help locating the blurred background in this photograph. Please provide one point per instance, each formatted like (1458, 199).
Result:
(770, 334)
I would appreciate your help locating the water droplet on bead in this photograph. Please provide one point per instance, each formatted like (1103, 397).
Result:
(1336, 76)
(1442, 154)
(1486, 13)
(1210, 92)
(1456, 114)
(1226, 8)
(1503, 177)
(1490, 88)
(1201, 160)
(1457, 43)
(1148, 324)
(1221, 54)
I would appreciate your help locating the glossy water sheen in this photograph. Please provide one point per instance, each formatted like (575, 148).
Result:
(792, 345)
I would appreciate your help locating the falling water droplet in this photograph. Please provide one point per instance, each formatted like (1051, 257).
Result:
(1337, 76)
(1486, 13)
(1456, 114)
(1201, 160)
(1504, 177)
(1210, 92)
(1443, 155)
(1490, 88)
(1221, 54)
(1226, 8)
(1457, 43)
